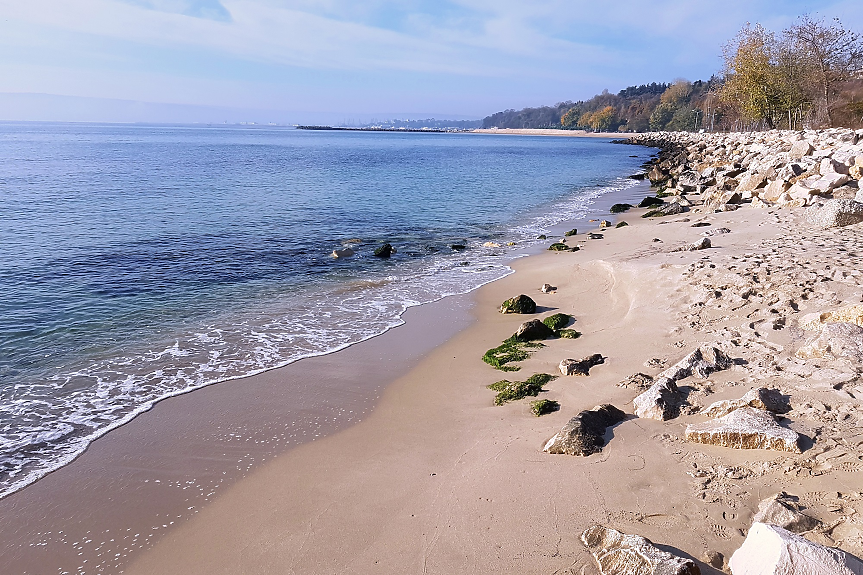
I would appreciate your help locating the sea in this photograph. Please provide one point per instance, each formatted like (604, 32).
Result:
(139, 262)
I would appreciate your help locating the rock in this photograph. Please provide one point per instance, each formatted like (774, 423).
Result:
(663, 400)
(491, 245)
(637, 381)
(518, 304)
(604, 224)
(343, 253)
(650, 201)
(584, 433)
(385, 251)
(593, 236)
(716, 232)
(688, 181)
(859, 196)
(851, 314)
(744, 428)
(772, 550)
(701, 244)
(621, 225)
(560, 247)
(800, 149)
(617, 553)
(842, 340)
(572, 232)
(792, 170)
(783, 511)
(838, 213)
(620, 208)
(671, 209)
(458, 247)
(831, 166)
(751, 182)
(830, 182)
(775, 190)
(546, 288)
(532, 330)
(581, 366)
(761, 398)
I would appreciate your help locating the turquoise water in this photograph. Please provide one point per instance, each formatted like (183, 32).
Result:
(140, 262)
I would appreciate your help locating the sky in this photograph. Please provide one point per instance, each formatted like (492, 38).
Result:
(340, 60)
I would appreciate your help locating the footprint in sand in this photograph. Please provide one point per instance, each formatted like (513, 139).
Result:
(849, 466)
(720, 531)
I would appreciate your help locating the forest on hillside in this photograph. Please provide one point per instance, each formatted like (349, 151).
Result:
(809, 75)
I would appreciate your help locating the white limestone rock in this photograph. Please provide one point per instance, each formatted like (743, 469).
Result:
(840, 339)
(760, 398)
(783, 511)
(771, 550)
(837, 214)
(617, 553)
(745, 428)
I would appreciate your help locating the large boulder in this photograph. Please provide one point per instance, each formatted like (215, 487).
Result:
(841, 340)
(831, 166)
(688, 181)
(580, 366)
(745, 428)
(837, 214)
(532, 330)
(617, 553)
(761, 398)
(663, 400)
(771, 550)
(584, 433)
(830, 182)
(784, 511)
(751, 182)
(518, 304)
(850, 314)
(775, 190)
(385, 251)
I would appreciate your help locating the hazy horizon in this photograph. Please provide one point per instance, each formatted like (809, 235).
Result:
(336, 61)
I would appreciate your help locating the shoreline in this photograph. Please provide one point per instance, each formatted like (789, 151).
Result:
(549, 132)
(438, 479)
(158, 456)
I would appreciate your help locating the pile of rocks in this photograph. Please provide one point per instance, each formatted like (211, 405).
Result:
(722, 172)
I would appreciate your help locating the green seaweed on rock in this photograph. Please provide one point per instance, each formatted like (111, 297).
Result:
(515, 390)
(558, 247)
(557, 321)
(510, 351)
(541, 407)
(569, 334)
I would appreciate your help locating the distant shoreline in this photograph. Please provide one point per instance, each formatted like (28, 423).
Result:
(548, 132)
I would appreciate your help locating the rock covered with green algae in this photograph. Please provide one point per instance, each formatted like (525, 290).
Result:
(515, 390)
(519, 304)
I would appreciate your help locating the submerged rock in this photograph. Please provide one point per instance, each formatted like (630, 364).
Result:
(744, 428)
(385, 251)
(783, 511)
(532, 330)
(581, 366)
(617, 553)
(343, 253)
(772, 550)
(518, 304)
(761, 398)
(584, 433)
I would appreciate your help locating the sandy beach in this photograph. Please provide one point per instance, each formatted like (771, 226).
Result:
(435, 478)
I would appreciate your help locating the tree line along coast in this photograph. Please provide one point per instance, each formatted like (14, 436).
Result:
(809, 75)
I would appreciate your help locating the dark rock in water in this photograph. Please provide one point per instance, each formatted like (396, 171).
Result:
(637, 176)
(518, 304)
(583, 434)
(542, 237)
(650, 201)
(532, 330)
(558, 247)
(385, 251)
(581, 366)
(620, 208)
(458, 247)
(571, 232)
(621, 225)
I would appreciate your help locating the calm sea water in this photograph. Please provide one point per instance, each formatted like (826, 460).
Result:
(140, 262)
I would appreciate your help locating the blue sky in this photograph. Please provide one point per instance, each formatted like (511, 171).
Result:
(362, 58)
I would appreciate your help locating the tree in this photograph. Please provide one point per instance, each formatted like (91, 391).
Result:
(602, 120)
(831, 52)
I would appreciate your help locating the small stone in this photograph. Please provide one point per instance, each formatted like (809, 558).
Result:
(744, 428)
(385, 251)
(546, 288)
(584, 433)
(581, 366)
(714, 559)
(800, 149)
(617, 553)
(761, 398)
(715, 232)
(783, 511)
